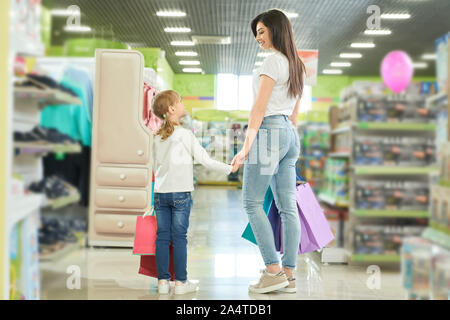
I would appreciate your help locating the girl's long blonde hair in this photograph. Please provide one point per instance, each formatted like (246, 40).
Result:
(161, 104)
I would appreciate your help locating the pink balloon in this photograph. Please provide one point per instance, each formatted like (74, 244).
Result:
(397, 70)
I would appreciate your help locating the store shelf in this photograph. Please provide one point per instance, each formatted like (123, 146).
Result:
(20, 207)
(375, 258)
(391, 213)
(437, 98)
(394, 170)
(444, 183)
(398, 126)
(334, 255)
(440, 227)
(437, 237)
(339, 155)
(46, 96)
(332, 201)
(66, 249)
(61, 202)
(341, 129)
(220, 183)
(29, 147)
(31, 93)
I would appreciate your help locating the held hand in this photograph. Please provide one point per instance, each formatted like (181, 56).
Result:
(238, 160)
(235, 168)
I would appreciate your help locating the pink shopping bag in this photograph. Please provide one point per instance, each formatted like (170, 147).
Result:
(145, 235)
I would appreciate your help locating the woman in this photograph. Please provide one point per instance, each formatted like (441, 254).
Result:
(272, 147)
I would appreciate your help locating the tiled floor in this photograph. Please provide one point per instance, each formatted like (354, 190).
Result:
(222, 261)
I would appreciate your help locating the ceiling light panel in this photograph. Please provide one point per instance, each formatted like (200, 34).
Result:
(378, 32)
(177, 30)
(332, 71)
(171, 14)
(190, 62)
(186, 54)
(182, 43)
(363, 45)
(351, 55)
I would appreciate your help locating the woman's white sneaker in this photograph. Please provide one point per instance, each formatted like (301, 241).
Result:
(269, 282)
(185, 287)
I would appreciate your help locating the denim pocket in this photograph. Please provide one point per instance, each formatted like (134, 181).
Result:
(181, 199)
(273, 139)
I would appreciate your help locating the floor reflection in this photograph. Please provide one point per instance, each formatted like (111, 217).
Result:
(218, 257)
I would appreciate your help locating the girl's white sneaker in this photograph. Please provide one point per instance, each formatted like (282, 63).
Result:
(185, 287)
(163, 287)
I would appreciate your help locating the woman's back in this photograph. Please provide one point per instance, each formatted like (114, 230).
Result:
(276, 66)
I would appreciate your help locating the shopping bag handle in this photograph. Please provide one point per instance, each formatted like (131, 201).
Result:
(301, 180)
(150, 212)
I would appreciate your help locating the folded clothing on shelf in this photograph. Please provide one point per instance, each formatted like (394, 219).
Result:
(391, 195)
(53, 187)
(45, 81)
(42, 135)
(382, 239)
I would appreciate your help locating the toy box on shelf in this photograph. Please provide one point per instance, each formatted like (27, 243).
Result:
(333, 196)
(385, 136)
(314, 137)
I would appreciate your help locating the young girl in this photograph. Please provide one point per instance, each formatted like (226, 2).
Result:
(175, 148)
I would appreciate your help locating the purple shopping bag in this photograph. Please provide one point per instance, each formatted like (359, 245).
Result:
(315, 230)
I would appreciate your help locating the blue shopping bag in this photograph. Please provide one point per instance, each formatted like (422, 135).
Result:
(248, 232)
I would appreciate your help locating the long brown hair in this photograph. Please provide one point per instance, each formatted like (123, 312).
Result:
(160, 106)
(282, 38)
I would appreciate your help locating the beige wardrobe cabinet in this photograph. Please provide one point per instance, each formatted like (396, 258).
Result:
(121, 168)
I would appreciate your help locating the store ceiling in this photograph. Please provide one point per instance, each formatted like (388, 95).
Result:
(327, 25)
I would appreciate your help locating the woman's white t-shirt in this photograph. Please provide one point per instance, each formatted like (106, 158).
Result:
(276, 66)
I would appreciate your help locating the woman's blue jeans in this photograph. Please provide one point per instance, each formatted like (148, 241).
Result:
(172, 216)
(272, 161)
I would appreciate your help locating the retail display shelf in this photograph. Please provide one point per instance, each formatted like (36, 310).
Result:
(437, 236)
(220, 183)
(391, 213)
(444, 183)
(397, 126)
(339, 155)
(62, 98)
(394, 170)
(440, 227)
(29, 147)
(21, 206)
(61, 202)
(334, 255)
(437, 98)
(31, 93)
(332, 201)
(60, 250)
(46, 96)
(375, 258)
(342, 129)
